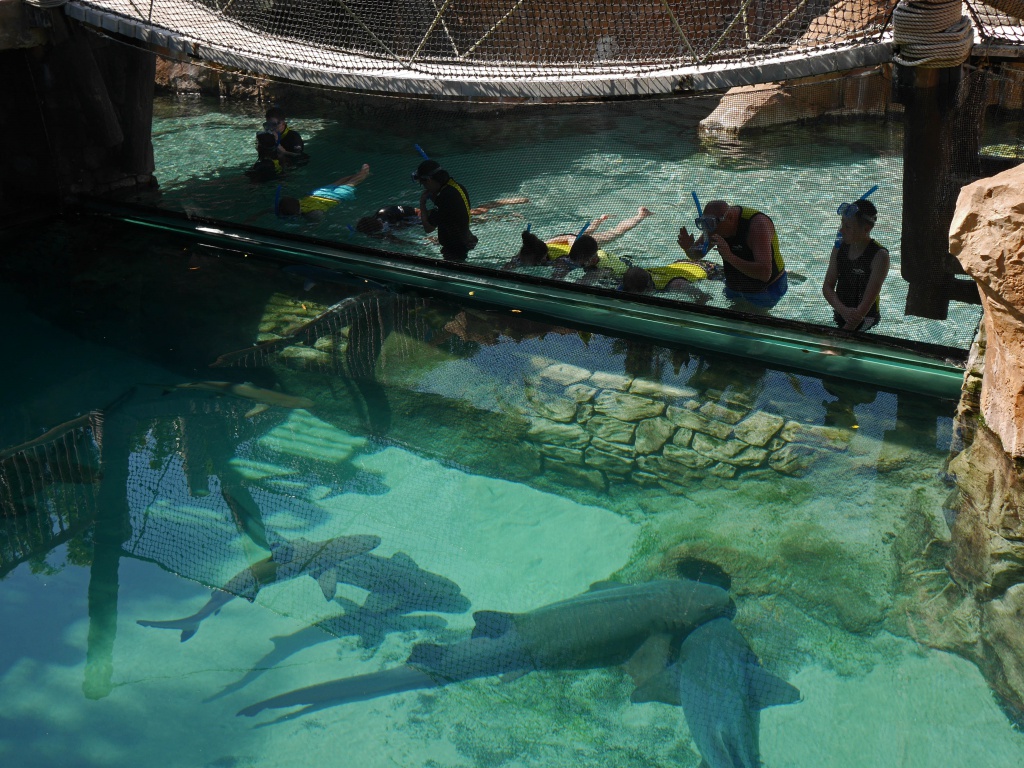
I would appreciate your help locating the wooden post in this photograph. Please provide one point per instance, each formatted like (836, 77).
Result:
(928, 96)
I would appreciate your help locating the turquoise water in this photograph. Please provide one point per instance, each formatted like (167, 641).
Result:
(515, 463)
(573, 163)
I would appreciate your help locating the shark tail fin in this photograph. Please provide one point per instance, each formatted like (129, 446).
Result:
(767, 690)
(187, 628)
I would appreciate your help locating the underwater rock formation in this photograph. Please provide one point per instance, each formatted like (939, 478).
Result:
(987, 237)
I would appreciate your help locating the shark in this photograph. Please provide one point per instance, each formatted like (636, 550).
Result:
(369, 626)
(288, 559)
(605, 626)
(396, 586)
(722, 688)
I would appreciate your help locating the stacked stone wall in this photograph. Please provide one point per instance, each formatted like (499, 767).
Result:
(594, 429)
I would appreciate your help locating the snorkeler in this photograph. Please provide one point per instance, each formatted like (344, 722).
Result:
(857, 267)
(321, 199)
(749, 245)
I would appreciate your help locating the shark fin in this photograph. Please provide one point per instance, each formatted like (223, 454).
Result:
(328, 581)
(426, 655)
(256, 410)
(767, 690)
(492, 624)
(597, 586)
(377, 602)
(402, 559)
(650, 658)
(509, 677)
(187, 633)
(663, 687)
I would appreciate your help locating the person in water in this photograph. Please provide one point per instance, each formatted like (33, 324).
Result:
(277, 147)
(857, 267)
(450, 214)
(677, 277)
(746, 239)
(313, 205)
(396, 217)
(566, 252)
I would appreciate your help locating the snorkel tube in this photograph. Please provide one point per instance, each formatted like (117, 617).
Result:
(584, 229)
(700, 212)
(839, 232)
(423, 154)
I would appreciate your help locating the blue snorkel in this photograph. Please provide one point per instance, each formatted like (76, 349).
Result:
(423, 154)
(585, 228)
(842, 209)
(700, 212)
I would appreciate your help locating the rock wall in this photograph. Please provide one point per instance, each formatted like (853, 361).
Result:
(592, 427)
(987, 237)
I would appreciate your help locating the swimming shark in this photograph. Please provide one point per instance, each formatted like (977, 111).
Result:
(396, 586)
(604, 626)
(288, 559)
(722, 689)
(369, 626)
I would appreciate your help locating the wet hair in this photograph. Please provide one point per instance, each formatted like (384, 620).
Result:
(430, 169)
(866, 213)
(288, 206)
(370, 225)
(534, 250)
(637, 280)
(275, 113)
(583, 249)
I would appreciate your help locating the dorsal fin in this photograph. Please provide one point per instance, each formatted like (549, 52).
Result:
(426, 655)
(402, 559)
(597, 586)
(492, 624)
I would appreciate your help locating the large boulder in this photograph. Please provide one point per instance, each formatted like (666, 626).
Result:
(987, 236)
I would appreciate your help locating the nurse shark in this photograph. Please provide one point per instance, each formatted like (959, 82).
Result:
(605, 626)
(722, 689)
(288, 559)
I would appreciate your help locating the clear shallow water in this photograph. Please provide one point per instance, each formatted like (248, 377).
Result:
(574, 164)
(421, 434)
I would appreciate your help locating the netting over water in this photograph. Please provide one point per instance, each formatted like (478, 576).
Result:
(482, 47)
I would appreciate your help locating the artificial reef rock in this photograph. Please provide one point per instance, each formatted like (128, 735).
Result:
(987, 237)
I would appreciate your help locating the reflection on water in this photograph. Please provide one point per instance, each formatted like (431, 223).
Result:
(472, 493)
(573, 164)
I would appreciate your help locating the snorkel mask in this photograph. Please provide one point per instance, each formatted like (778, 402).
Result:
(707, 224)
(850, 210)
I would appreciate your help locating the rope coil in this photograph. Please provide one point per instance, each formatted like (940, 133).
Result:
(931, 34)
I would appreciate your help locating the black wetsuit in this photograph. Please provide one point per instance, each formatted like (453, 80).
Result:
(854, 276)
(738, 244)
(451, 217)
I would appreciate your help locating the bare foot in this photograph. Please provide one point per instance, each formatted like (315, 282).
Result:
(644, 212)
(361, 174)
(513, 200)
(602, 218)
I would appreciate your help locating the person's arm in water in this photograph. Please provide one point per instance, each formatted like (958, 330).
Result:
(759, 239)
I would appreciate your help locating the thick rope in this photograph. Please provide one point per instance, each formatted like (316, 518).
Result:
(931, 34)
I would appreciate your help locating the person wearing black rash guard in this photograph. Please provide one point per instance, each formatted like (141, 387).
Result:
(752, 263)
(857, 268)
(450, 215)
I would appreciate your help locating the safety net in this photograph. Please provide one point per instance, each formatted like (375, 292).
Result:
(539, 48)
